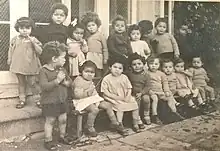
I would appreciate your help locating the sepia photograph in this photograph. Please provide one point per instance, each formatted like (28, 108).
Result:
(104, 75)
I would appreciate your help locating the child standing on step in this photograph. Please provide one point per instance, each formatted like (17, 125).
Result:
(98, 52)
(116, 89)
(86, 98)
(77, 47)
(54, 82)
(27, 66)
(163, 43)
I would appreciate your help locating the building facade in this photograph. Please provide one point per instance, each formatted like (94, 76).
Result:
(39, 11)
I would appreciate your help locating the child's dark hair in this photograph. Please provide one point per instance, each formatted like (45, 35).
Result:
(133, 27)
(24, 22)
(167, 61)
(91, 17)
(145, 26)
(72, 28)
(118, 18)
(88, 64)
(59, 6)
(135, 56)
(117, 60)
(151, 59)
(159, 20)
(178, 60)
(52, 49)
(197, 56)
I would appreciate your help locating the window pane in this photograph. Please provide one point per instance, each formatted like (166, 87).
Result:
(118, 7)
(79, 7)
(4, 10)
(4, 44)
(39, 10)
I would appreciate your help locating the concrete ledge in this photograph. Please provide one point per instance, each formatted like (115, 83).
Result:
(16, 122)
(7, 77)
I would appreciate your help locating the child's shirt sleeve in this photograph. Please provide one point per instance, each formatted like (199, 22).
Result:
(164, 82)
(84, 47)
(11, 48)
(37, 45)
(147, 49)
(175, 45)
(44, 83)
(104, 47)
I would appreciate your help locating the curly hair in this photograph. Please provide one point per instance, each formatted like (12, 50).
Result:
(118, 18)
(87, 64)
(178, 60)
(72, 28)
(133, 27)
(135, 56)
(91, 17)
(52, 49)
(24, 22)
(59, 6)
(159, 20)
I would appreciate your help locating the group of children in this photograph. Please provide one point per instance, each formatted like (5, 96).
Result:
(143, 68)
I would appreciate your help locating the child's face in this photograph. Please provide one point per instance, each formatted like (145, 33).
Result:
(197, 62)
(179, 67)
(137, 65)
(183, 30)
(116, 69)
(168, 68)
(25, 31)
(88, 73)
(135, 35)
(92, 27)
(60, 60)
(78, 34)
(58, 16)
(154, 66)
(119, 27)
(161, 28)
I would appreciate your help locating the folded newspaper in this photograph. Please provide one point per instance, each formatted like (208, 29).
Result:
(81, 104)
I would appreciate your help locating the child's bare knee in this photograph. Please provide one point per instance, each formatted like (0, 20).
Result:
(50, 120)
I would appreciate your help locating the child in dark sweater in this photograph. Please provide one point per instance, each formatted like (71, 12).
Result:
(54, 82)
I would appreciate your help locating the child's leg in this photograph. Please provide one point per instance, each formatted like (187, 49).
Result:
(21, 90)
(146, 106)
(154, 104)
(62, 124)
(35, 88)
(171, 103)
(211, 92)
(108, 108)
(92, 113)
(119, 115)
(202, 93)
(48, 128)
(136, 118)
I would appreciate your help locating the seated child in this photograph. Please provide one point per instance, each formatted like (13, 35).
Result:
(185, 87)
(83, 87)
(200, 79)
(159, 89)
(139, 79)
(116, 89)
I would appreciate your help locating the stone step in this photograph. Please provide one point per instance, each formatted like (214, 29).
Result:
(17, 122)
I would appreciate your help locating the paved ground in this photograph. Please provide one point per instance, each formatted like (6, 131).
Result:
(200, 133)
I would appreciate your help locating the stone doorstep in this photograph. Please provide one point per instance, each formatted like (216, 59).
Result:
(15, 122)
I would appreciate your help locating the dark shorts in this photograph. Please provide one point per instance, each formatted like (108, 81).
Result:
(54, 110)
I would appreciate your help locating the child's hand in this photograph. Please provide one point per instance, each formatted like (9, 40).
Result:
(125, 56)
(138, 96)
(176, 56)
(105, 61)
(60, 76)
(151, 92)
(66, 83)
(9, 62)
(167, 94)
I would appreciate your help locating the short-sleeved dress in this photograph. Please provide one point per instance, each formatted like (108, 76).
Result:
(23, 56)
(118, 86)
